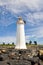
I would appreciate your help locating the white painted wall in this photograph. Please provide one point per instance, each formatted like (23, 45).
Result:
(20, 40)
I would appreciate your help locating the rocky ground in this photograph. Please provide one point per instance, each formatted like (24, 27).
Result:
(12, 56)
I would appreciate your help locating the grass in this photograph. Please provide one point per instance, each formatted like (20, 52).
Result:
(13, 45)
(7, 45)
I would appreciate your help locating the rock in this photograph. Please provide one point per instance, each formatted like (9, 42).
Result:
(1, 58)
(41, 57)
(18, 57)
(34, 59)
(3, 63)
(0, 52)
(3, 51)
(20, 62)
(8, 63)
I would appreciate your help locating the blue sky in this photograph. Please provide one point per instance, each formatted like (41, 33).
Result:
(30, 10)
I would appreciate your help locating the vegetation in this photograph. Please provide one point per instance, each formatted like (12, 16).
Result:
(4, 44)
(30, 42)
(27, 44)
(12, 43)
(35, 42)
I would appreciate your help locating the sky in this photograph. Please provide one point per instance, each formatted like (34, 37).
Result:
(30, 10)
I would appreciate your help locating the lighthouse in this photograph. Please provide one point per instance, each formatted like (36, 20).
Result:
(20, 36)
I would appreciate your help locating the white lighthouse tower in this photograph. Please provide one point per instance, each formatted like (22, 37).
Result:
(20, 40)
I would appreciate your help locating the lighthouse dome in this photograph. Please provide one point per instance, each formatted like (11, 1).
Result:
(20, 20)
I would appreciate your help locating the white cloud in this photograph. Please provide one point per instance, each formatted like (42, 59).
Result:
(35, 32)
(35, 18)
(21, 6)
(39, 32)
(8, 39)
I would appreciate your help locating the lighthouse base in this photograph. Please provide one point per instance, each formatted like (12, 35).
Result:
(20, 47)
